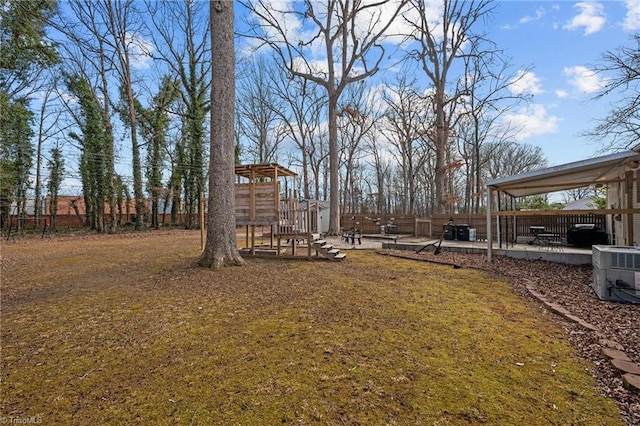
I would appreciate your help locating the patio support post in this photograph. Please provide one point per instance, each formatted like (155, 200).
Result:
(629, 205)
(499, 223)
(489, 233)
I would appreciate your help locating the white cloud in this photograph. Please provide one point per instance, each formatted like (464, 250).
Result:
(632, 19)
(68, 98)
(584, 79)
(539, 14)
(532, 121)
(591, 18)
(372, 20)
(562, 93)
(526, 83)
(316, 67)
(140, 51)
(277, 10)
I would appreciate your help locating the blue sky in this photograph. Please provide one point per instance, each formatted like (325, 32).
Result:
(561, 41)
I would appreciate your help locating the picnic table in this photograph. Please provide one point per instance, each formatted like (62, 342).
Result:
(544, 238)
(352, 234)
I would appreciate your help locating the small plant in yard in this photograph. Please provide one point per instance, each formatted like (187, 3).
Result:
(116, 330)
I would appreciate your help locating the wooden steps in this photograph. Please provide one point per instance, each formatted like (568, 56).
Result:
(328, 251)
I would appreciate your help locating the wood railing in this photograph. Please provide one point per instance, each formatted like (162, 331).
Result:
(512, 224)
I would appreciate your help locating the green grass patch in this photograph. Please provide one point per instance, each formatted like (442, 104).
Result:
(132, 332)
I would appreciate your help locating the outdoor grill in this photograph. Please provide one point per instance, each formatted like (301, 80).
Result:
(586, 235)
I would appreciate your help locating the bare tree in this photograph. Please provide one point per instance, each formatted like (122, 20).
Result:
(49, 126)
(319, 163)
(258, 112)
(621, 127)
(220, 249)
(181, 34)
(406, 127)
(301, 113)
(439, 46)
(486, 85)
(510, 158)
(578, 193)
(382, 171)
(356, 119)
(123, 26)
(350, 32)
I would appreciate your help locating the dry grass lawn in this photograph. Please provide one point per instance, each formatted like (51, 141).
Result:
(124, 329)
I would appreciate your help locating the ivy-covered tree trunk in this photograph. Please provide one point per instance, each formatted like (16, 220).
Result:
(154, 122)
(15, 155)
(56, 174)
(95, 155)
(220, 249)
(194, 170)
(184, 46)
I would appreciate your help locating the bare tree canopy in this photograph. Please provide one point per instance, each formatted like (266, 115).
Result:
(620, 129)
(319, 88)
(439, 44)
(349, 31)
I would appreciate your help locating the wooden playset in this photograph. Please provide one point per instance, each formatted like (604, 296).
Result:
(266, 198)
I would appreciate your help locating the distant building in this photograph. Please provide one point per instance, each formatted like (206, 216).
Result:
(581, 204)
(321, 209)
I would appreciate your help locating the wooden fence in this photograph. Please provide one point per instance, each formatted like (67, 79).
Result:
(511, 226)
(371, 224)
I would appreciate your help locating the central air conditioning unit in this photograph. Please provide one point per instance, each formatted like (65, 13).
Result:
(616, 273)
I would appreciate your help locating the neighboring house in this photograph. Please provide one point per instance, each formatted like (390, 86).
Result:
(29, 207)
(65, 205)
(581, 204)
(68, 205)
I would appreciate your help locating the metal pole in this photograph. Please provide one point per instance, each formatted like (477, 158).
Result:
(499, 223)
(489, 233)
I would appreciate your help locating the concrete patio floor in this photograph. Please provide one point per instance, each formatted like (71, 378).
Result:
(558, 254)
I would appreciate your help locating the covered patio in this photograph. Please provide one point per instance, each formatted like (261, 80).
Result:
(617, 172)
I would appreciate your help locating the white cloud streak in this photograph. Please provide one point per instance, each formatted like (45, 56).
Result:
(526, 83)
(540, 12)
(584, 79)
(533, 120)
(591, 17)
(632, 18)
(140, 51)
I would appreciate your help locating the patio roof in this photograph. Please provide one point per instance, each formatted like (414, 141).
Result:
(598, 170)
(270, 170)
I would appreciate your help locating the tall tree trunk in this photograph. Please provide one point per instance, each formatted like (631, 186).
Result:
(334, 177)
(138, 191)
(220, 249)
(441, 134)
